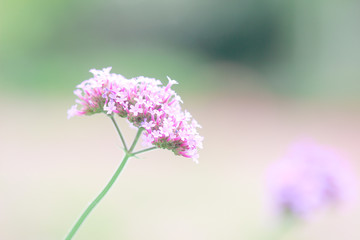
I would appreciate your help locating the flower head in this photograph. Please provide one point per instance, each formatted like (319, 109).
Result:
(310, 177)
(145, 103)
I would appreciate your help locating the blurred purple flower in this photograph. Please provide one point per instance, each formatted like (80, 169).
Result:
(309, 178)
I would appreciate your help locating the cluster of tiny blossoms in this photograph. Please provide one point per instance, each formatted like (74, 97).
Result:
(309, 178)
(146, 103)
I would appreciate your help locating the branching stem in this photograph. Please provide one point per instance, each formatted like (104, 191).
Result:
(128, 154)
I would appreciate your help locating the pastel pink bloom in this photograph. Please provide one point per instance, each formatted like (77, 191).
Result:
(182, 134)
(147, 140)
(148, 125)
(140, 100)
(136, 109)
(195, 124)
(121, 97)
(110, 107)
(156, 134)
(73, 112)
(145, 103)
(171, 81)
(308, 178)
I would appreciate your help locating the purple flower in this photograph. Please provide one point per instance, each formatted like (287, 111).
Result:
(110, 108)
(309, 178)
(147, 140)
(136, 109)
(72, 111)
(148, 125)
(145, 103)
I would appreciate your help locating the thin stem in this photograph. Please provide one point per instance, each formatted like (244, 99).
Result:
(128, 154)
(119, 132)
(144, 150)
(138, 134)
(98, 198)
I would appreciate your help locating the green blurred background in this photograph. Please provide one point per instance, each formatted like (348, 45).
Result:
(256, 74)
(297, 47)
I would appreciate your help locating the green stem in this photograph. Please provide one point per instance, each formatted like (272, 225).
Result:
(97, 199)
(128, 154)
(138, 134)
(119, 132)
(144, 150)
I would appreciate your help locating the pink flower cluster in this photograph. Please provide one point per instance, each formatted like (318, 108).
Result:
(146, 103)
(310, 177)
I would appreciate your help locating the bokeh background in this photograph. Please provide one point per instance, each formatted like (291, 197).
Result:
(257, 75)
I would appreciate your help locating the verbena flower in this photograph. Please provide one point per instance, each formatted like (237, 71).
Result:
(145, 103)
(309, 178)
